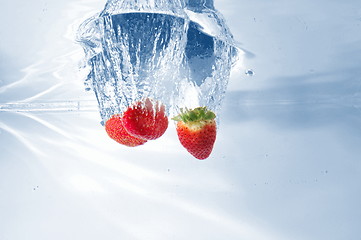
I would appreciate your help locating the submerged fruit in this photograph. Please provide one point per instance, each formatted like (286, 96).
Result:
(197, 131)
(146, 119)
(115, 129)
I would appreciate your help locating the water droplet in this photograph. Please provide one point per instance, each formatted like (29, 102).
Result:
(249, 72)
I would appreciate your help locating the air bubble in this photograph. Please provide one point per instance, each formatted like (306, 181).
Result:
(249, 72)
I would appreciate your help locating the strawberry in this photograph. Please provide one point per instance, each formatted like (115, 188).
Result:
(197, 131)
(115, 129)
(146, 119)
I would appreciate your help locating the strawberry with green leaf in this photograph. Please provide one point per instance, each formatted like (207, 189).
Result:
(197, 131)
(115, 129)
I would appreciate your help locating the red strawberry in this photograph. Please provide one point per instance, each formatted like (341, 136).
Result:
(115, 129)
(197, 131)
(146, 119)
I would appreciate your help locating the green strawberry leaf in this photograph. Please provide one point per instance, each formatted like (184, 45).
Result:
(197, 114)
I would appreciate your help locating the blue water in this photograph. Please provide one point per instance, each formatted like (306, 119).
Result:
(285, 164)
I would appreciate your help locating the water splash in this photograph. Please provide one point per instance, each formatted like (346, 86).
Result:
(176, 52)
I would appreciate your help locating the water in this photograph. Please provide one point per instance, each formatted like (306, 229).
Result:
(136, 51)
(133, 62)
(249, 72)
(285, 164)
(208, 62)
